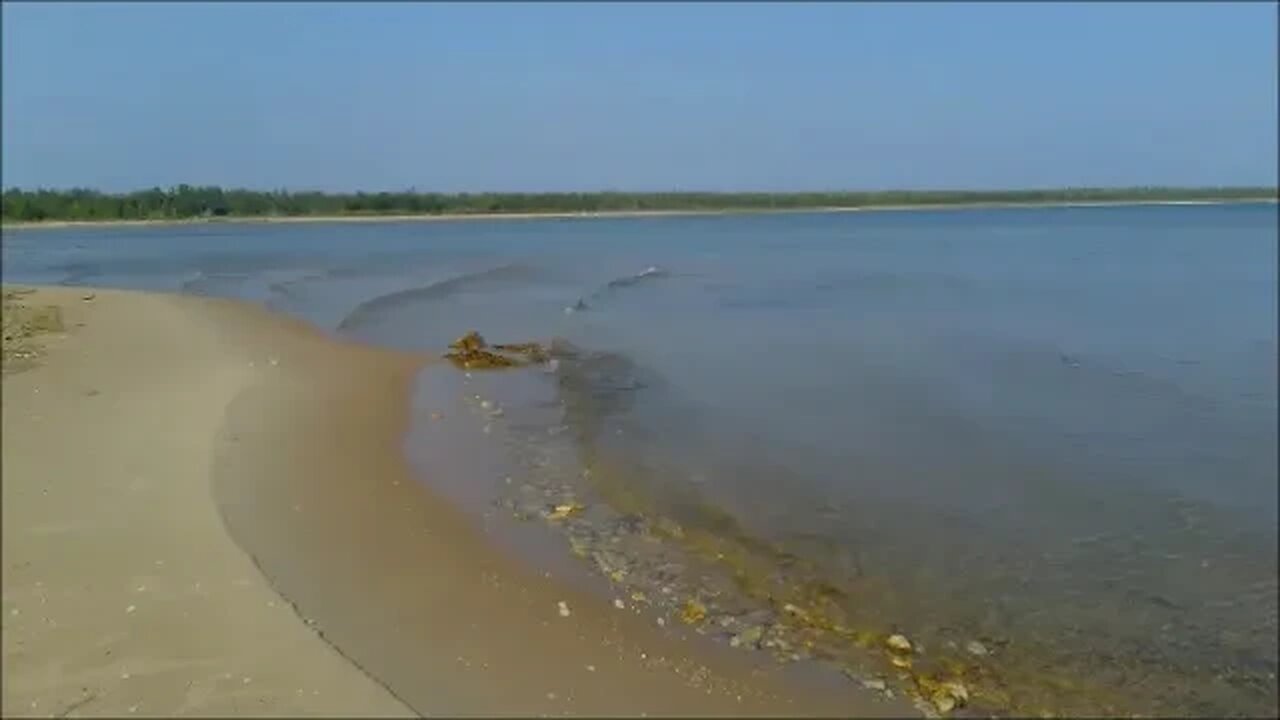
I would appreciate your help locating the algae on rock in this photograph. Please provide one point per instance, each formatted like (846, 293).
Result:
(471, 352)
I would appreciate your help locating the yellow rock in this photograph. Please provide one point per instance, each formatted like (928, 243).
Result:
(693, 612)
(944, 702)
(471, 341)
(798, 612)
(898, 643)
(563, 511)
(956, 690)
(900, 661)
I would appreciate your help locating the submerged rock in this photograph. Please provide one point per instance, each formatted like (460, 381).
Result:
(559, 512)
(748, 638)
(533, 351)
(471, 352)
(957, 690)
(693, 612)
(796, 612)
(976, 648)
(875, 684)
(898, 643)
(471, 341)
(949, 695)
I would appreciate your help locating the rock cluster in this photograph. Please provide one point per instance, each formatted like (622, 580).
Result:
(471, 352)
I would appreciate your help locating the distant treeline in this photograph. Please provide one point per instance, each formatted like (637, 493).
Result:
(186, 201)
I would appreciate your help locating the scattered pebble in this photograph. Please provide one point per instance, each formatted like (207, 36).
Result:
(617, 602)
(898, 643)
(693, 612)
(874, 684)
(976, 648)
(956, 690)
(748, 638)
(129, 610)
(591, 668)
(563, 608)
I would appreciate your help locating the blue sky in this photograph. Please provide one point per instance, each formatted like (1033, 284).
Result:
(717, 96)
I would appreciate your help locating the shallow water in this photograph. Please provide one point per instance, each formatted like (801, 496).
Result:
(1051, 431)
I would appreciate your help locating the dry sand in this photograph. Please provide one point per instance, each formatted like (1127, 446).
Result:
(122, 591)
(332, 582)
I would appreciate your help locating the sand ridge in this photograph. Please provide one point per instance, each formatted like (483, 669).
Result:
(207, 512)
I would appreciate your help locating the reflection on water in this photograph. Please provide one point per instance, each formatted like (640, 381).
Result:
(1039, 443)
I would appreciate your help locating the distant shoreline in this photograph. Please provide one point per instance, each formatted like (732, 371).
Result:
(615, 214)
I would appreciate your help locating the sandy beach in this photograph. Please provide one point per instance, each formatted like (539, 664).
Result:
(206, 512)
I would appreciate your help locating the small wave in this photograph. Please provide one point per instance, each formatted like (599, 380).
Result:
(211, 283)
(585, 303)
(362, 313)
(289, 287)
(77, 272)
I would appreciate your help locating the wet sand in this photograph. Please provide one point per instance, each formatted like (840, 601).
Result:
(207, 511)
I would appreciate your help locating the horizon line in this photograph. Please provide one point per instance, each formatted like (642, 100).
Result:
(614, 191)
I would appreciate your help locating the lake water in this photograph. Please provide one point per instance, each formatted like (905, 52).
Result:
(1041, 443)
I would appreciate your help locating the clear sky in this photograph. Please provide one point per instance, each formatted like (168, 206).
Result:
(578, 96)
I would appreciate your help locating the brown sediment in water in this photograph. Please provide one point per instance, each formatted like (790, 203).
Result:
(810, 613)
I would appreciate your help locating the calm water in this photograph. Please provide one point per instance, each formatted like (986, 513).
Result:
(1049, 430)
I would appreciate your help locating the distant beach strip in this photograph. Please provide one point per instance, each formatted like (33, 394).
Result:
(188, 204)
